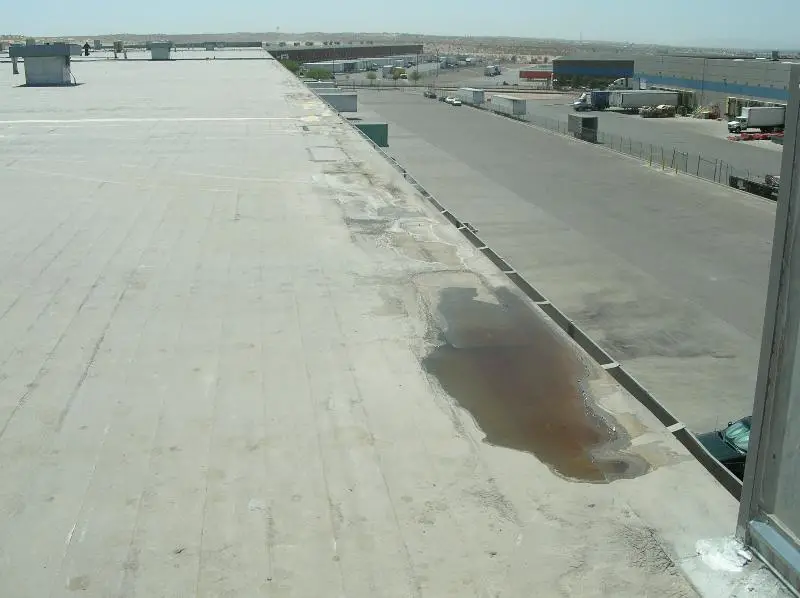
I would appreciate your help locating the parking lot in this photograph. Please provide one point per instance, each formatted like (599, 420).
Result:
(666, 271)
(706, 138)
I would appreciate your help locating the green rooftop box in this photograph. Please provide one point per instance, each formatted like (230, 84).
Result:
(378, 132)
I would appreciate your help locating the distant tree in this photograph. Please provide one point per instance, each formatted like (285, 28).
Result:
(371, 76)
(320, 74)
(415, 76)
(396, 75)
(291, 65)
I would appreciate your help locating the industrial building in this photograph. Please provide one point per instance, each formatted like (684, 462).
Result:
(714, 81)
(355, 66)
(591, 69)
(323, 53)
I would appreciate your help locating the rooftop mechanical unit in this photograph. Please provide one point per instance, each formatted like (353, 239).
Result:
(46, 65)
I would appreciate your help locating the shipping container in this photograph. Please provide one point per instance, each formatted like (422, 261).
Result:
(535, 74)
(470, 95)
(510, 105)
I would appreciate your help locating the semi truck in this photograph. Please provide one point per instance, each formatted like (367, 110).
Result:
(632, 100)
(764, 118)
(597, 99)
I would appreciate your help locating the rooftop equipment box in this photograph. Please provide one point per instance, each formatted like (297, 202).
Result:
(160, 50)
(343, 102)
(583, 126)
(378, 132)
(45, 64)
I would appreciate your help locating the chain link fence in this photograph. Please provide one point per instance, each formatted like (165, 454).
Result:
(664, 157)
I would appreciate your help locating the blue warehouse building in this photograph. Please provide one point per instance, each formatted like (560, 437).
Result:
(568, 68)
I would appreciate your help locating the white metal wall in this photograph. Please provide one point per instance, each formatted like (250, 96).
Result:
(716, 79)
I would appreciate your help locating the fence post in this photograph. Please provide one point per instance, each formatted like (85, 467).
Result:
(674, 161)
(699, 157)
(650, 163)
(663, 164)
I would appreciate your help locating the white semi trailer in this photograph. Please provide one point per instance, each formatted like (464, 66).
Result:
(764, 118)
(632, 100)
(471, 96)
(510, 105)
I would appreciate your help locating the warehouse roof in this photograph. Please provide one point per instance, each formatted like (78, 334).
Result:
(241, 355)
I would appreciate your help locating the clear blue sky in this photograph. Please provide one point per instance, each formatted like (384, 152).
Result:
(695, 22)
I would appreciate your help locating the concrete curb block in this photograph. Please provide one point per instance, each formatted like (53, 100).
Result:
(526, 287)
(557, 316)
(721, 473)
(436, 204)
(496, 259)
(453, 220)
(641, 394)
(472, 238)
(592, 348)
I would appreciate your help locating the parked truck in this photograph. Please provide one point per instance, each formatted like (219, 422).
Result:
(597, 99)
(491, 71)
(632, 100)
(764, 118)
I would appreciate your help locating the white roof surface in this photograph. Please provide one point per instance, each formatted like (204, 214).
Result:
(235, 350)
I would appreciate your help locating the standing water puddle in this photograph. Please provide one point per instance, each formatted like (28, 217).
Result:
(522, 384)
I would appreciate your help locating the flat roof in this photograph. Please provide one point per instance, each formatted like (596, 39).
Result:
(242, 356)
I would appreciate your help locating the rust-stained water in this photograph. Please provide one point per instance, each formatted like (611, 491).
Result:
(523, 385)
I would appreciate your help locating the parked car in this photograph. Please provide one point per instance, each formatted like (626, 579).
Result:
(729, 446)
(449, 100)
(429, 93)
(455, 102)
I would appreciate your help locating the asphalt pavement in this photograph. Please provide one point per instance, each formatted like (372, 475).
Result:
(667, 272)
(695, 137)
